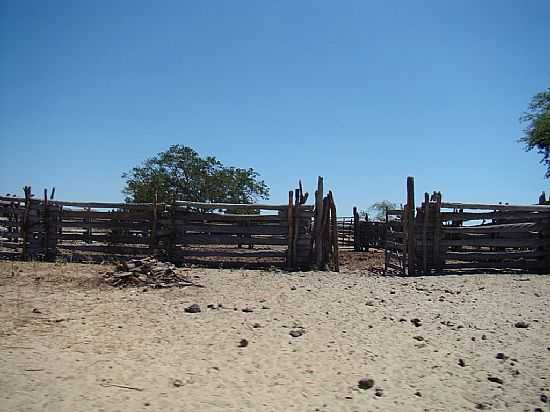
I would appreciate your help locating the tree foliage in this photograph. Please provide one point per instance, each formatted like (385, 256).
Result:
(181, 174)
(377, 211)
(537, 133)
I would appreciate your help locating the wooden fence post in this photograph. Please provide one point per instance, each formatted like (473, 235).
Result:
(318, 223)
(334, 233)
(26, 225)
(425, 233)
(290, 218)
(356, 245)
(410, 226)
(437, 260)
(154, 244)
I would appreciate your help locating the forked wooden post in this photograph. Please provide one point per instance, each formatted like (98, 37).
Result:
(411, 241)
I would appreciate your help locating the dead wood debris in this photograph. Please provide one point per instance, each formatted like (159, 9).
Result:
(148, 272)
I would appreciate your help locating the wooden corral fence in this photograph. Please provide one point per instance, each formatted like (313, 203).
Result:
(294, 235)
(367, 234)
(440, 236)
(346, 231)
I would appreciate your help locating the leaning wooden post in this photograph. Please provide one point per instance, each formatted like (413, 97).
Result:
(356, 245)
(410, 226)
(318, 223)
(290, 218)
(425, 233)
(334, 240)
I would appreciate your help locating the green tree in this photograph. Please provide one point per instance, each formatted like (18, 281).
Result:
(537, 133)
(377, 211)
(181, 174)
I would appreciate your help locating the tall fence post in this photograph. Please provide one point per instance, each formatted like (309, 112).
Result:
(356, 239)
(425, 233)
(334, 233)
(318, 223)
(26, 223)
(437, 258)
(290, 218)
(410, 226)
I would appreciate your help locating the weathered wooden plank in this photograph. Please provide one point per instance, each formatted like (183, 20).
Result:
(501, 215)
(524, 208)
(525, 264)
(200, 239)
(104, 238)
(501, 228)
(230, 206)
(181, 218)
(82, 214)
(518, 243)
(234, 229)
(115, 249)
(487, 255)
(145, 226)
(241, 253)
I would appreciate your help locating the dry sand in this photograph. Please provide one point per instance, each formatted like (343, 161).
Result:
(84, 338)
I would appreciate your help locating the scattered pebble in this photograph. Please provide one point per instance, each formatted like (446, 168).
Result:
(194, 308)
(461, 362)
(296, 332)
(366, 383)
(495, 380)
(416, 322)
(243, 343)
(501, 355)
(247, 310)
(521, 324)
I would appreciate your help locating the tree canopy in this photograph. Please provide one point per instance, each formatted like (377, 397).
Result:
(378, 210)
(181, 174)
(537, 133)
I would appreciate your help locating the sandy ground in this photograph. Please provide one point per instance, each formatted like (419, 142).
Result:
(85, 338)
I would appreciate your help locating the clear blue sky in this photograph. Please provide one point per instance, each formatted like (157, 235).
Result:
(363, 93)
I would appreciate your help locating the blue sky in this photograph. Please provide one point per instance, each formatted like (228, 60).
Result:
(363, 93)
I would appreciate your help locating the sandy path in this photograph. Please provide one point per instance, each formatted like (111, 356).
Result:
(87, 338)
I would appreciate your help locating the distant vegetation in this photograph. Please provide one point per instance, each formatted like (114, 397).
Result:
(181, 174)
(537, 133)
(377, 211)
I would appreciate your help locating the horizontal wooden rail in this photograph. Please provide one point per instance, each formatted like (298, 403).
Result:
(524, 208)
(512, 243)
(502, 215)
(511, 227)
(486, 255)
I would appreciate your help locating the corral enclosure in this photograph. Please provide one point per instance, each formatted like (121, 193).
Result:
(440, 236)
(294, 235)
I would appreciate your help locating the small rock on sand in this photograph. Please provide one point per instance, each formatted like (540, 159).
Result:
(243, 343)
(296, 332)
(194, 308)
(521, 325)
(495, 379)
(366, 383)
